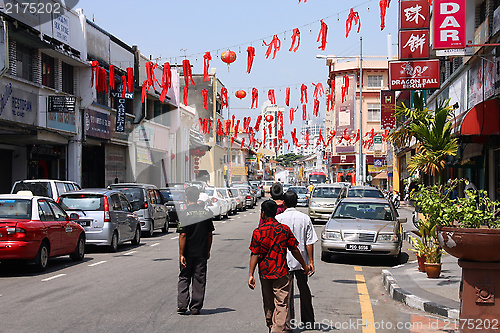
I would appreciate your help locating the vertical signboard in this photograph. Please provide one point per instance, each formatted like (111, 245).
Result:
(414, 44)
(344, 110)
(413, 14)
(449, 24)
(4, 47)
(387, 105)
(120, 114)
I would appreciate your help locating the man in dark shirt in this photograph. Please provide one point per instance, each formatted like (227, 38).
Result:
(269, 248)
(195, 241)
(277, 196)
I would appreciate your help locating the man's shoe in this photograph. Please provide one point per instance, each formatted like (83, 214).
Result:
(195, 312)
(181, 310)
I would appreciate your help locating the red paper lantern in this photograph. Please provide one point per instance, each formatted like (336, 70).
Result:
(269, 118)
(186, 158)
(241, 94)
(172, 155)
(285, 141)
(196, 167)
(228, 56)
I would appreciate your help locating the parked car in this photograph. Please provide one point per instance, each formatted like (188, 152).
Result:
(259, 184)
(175, 201)
(286, 187)
(106, 215)
(363, 226)
(233, 205)
(217, 203)
(257, 191)
(267, 185)
(240, 198)
(323, 199)
(363, 192)
(248, 197)
(35, 228)
(250, 190)
(45, 187)
(301, 191)
(148, 203)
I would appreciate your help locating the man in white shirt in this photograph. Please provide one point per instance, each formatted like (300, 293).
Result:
(303, 230)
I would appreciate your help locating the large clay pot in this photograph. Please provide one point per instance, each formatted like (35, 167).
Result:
(421, 263)
(433, 270)
(475, 244)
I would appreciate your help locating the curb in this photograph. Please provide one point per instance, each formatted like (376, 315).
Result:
(405, 297)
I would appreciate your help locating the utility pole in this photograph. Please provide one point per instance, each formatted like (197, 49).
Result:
(361, 159)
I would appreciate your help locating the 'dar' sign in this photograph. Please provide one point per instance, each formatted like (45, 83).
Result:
(449, 24)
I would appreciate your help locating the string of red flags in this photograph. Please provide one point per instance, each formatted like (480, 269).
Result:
(206, 64)
(251, 56)
(255, 98)
(295, 38)
(322, 36)
(384, 4)
(275, 44)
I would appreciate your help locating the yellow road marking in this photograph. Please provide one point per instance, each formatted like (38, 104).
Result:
(366, 305)
(358, 268)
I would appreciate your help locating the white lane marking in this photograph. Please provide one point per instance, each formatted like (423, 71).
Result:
(239, 217)
(155, 244)
(97, 263)
(175, 237)
(129, 253)
(223, 222)
(53, 277)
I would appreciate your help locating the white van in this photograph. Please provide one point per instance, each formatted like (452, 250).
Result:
(45, 187)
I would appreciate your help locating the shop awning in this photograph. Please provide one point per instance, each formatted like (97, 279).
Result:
(381, 175)
(483, 119)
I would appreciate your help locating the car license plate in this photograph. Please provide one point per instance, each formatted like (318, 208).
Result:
(84, 223)
(358, 247)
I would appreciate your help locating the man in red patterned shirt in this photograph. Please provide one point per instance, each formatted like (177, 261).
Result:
(269, 245)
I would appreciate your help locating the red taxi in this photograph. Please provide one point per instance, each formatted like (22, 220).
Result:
(36, 228)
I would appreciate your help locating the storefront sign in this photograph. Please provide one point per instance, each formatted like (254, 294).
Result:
(423, 74)
(144, 155)
(414, 44)
(97, 124)
(17, 105)
(449, 24)
(118, 94)
(387, 105)
(482, 77)
(61, 104)
(120, 114)
(61, 121)
(413, 14)
(60, 28)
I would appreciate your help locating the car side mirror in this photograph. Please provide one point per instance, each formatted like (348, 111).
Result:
(402, 219)
(74, 217)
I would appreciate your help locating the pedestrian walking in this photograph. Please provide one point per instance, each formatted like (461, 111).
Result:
(277, 196)
(195, 241)
(268, 249)
(303, 230)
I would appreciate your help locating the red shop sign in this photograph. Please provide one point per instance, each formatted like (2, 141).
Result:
(414, 44)
(413, 14)
(417, 74)
(449, 24)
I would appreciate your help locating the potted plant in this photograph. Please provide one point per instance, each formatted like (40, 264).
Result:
(433, 261)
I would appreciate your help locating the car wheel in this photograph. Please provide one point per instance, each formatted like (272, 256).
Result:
(80, 250)
(137, 236)
(113, 247)
(325, 256)
(164, 229)
(42, 257)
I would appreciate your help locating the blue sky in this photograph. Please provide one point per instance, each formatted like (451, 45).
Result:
(171, 29)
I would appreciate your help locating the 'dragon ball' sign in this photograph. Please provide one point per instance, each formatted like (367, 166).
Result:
(417, 74)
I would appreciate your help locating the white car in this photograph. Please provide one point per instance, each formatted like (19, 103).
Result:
(45, 187)
(217, 203)
(233, 203)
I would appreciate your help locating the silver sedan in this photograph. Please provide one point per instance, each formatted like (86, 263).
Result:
(363, 226)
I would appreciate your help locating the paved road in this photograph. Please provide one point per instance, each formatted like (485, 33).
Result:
(134, 290)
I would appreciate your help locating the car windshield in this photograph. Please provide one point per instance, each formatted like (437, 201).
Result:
(364, 210)
(326, 192)
(174, 195)
(209, 191)
(42, 189)
(364, 193)
(298, 190)
(244, 191)
(19, 209)
(234, 192)
(133, 194)
(224, 192)
(87, 202)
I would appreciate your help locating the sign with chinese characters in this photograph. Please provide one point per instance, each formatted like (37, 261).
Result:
(413, 14)
(414, 44)
(418, 74)
(387, 105)
(449, 24)
(97, 124)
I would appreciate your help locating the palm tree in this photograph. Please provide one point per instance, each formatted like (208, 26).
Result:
(432, 132)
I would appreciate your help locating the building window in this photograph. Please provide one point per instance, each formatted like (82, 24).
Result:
(48, 76)
(373, 112)
(24, 62)
(67, 78)
(375, 81)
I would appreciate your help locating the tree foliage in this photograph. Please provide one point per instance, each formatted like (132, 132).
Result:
(288, 159)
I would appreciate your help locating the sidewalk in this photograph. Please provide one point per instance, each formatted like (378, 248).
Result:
(411, 287)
